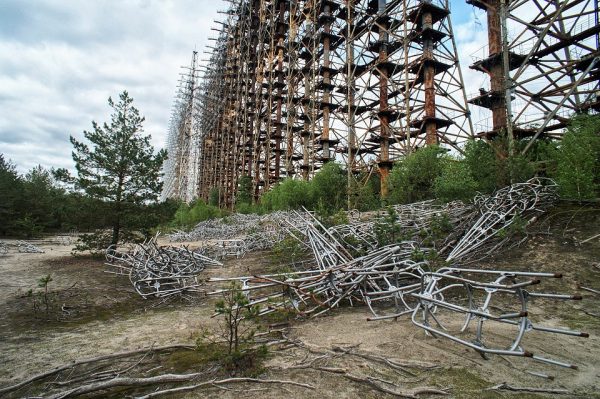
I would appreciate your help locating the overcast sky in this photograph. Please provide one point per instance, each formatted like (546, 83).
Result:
(60, 60)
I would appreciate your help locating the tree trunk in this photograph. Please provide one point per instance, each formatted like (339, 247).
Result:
(116, 229)
(117, 220)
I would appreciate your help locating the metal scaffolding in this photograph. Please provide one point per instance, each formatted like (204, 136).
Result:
(293, 84)
(542, 63)
(183, 139)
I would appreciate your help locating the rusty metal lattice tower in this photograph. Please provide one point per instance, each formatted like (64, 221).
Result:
(293, 84)
(542, 64)
(183, 145)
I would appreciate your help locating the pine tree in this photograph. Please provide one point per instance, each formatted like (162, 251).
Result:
(120, 167)
(11, 191)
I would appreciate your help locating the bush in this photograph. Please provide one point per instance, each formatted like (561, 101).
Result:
(578, 160)
(97, 242)
(188, 216)
(329, 189)
(287, 194)
(455, 183)
(412, 179)
(249, 208)
(481, 163)
(213, 197)
(387, 229)
(244, 191)
(364, 193)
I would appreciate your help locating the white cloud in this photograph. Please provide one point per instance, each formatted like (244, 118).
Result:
(61, 60)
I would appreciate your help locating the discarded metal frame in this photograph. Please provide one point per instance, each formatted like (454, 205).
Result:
(400, 279)
(159, 271)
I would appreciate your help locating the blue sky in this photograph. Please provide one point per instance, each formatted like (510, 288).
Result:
(60, 60)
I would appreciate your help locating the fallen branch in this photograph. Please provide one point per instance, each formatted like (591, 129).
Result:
(221, 382)
(371, 381)
(589, 290)
(589, 239)
(591, 314)
(125, 382)
(90, 360)
(506, 387)
(412, 394)
(395, 364)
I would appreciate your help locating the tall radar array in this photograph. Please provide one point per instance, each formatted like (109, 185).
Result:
(293, 84)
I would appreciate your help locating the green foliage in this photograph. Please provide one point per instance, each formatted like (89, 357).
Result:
(187, 216)
(249, 208)
(97, 241)
(287, 194)
(387, 230)
(213, 197)
(519, 169)
(11, 187)
(289, 249)
(329, 189)
(364, 193)
(120, 168)
(417, 255)
(244, 191)
(578, 159)
(328, 219)
(412, 179)
(455, 182)
(481, 163)
(236, 312)
(34, 204)
(440, 226)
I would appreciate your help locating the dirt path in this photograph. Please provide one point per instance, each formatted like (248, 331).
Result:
(105, 316)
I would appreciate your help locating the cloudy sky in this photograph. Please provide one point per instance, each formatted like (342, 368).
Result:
(60, 60)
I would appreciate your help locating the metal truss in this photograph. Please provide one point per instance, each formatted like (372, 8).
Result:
(293, 84)
(183, 140)
(543, 64)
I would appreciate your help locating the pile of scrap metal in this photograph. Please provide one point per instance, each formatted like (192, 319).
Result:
(20, 246)
(410, 276)
(239, 234)
(159, 271)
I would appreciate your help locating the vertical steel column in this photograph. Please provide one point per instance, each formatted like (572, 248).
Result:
(384, 152)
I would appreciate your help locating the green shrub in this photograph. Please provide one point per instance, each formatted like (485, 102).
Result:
(188, 216)
(412, 179)
(246, 209)
(213, 197)
(364, 193)
(288, 250)
(244, 191)
(578, 159)
(329, 189)
(287, 194)
(386, 229)
(481, 163)
(329, 219)
(455, 183)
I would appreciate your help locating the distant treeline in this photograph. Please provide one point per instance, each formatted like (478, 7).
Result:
(37, 203)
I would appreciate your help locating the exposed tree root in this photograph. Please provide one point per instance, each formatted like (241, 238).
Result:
(506, 387)
(222, 382)
(90, 360)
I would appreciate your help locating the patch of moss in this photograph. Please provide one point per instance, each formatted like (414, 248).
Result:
(464, 384)
(577, 320)
(185, 360)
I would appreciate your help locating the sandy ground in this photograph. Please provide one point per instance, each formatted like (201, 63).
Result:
(103, 315)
